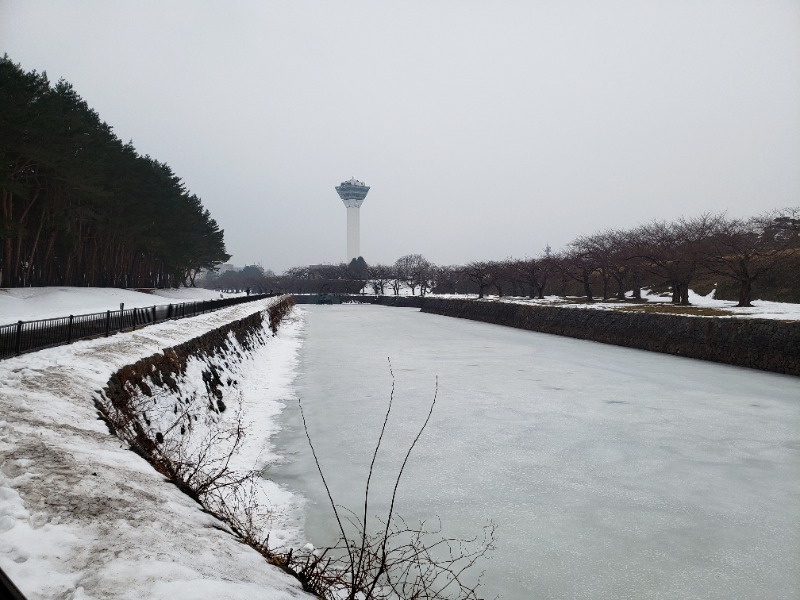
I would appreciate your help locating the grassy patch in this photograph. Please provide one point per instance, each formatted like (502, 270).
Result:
(672, 309)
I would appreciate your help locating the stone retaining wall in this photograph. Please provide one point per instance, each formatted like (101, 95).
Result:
(765, 344)
(385, 300)
(140, 394)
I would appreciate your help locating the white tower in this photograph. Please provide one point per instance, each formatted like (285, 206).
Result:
(352, 193)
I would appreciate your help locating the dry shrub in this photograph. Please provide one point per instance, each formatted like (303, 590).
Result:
(398, 560)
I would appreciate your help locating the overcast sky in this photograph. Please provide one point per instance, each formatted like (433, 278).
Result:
(485, 129)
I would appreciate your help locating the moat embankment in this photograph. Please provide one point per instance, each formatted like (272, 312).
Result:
(764, 344)
(187, 411)
(83, 515)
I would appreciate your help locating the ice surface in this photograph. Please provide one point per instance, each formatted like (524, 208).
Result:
(610, 472)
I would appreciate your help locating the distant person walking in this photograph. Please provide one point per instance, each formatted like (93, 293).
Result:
(248, 291)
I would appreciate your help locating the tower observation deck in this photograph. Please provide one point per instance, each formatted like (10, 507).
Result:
(352, 193)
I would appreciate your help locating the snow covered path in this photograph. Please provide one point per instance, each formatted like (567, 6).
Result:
(83, 517)
(30, 304)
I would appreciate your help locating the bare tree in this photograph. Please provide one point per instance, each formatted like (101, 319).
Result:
(396, 280)
(784, 226)
(595, 251)
(425, 275)
(676, 251)
(535, 272)
(444, 279)
(478, 273)
(501, 275)
(414, 269)
(611, 253)
(578, 264)
(380, 277)
(744, 250)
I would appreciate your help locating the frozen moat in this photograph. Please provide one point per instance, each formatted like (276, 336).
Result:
(609, 472)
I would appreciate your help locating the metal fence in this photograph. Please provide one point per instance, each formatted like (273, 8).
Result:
(27, 336)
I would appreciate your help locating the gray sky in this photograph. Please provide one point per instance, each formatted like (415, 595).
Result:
(486, 129)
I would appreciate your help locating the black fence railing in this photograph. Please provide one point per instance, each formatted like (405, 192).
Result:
(27, 336)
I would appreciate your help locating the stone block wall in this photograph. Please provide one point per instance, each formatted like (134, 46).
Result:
(765, 344)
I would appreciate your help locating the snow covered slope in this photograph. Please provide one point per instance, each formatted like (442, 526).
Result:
(29, 304)
(83, 517)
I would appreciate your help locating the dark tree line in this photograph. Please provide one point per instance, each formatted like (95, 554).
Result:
(79, 207)
(313, 279)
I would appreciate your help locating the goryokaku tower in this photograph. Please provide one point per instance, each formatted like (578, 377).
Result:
(352, 193)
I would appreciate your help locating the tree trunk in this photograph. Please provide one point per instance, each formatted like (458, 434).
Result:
(684, 294)
(48, 253)
(587, 288)
(32, 257)
(637, 285)
(6, 263)
(5, 268)
(620, 279)
(745, 292)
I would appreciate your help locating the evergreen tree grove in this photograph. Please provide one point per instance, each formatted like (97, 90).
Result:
(79, 207)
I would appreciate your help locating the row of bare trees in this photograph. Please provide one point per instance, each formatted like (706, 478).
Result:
(412, 272)
(660, 255)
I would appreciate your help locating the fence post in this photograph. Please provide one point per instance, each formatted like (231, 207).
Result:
(154, 314)
(69, 329)
(203, 307)
(19, 334)
(108, 321)
(134, 318)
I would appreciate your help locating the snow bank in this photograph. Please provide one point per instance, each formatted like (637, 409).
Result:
(81, 516)
(761, 309)
(29, 304)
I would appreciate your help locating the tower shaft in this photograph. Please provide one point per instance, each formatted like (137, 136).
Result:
(353, 232)
(352, 193)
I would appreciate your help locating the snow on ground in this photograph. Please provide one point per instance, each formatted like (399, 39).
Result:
(82, 517)
(266, 384)
(761, 309)
(29, 304)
